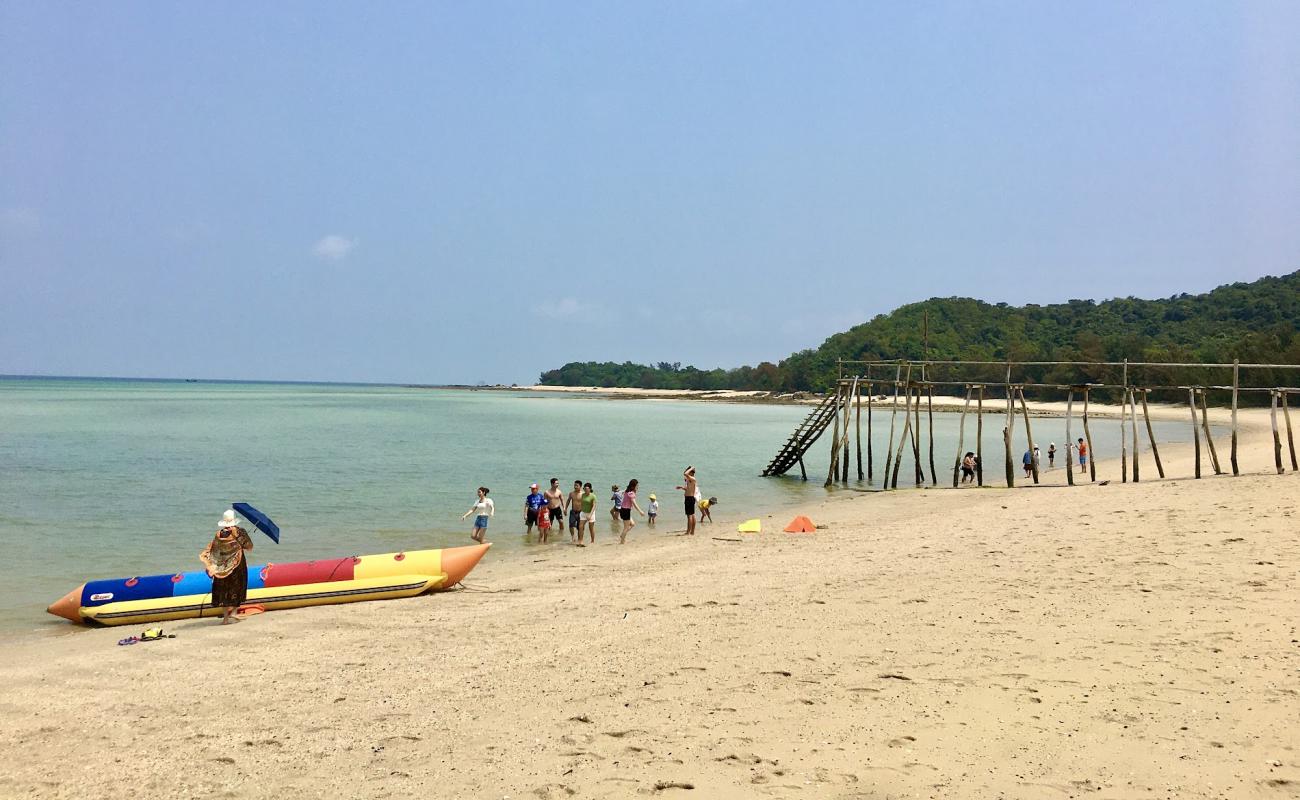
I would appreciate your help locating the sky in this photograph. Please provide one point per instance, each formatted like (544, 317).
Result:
(476, 192)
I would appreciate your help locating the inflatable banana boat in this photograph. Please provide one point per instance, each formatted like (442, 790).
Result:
(157, 598)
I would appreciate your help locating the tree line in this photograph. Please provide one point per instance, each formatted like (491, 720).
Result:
(1251, 322)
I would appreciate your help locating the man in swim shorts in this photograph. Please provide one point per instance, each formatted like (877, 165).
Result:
(532, 504)
(1083, 456)
(573, 503)
(555, 504)
(690, 489)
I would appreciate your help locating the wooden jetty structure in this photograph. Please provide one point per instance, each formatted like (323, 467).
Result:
(915, 381)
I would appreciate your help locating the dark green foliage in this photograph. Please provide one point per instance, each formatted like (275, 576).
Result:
(1252, 322)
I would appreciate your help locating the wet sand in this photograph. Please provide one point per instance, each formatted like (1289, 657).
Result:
(1117, 641)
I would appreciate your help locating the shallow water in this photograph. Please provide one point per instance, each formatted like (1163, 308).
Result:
(102, 479)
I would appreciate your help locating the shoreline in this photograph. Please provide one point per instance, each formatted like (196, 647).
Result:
(1117, 639)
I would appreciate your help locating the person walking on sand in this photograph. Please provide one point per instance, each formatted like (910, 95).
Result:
(1051, 455)
(690, 489)
(573, 503)
(226, 565)
(615, 502)
(555, 504)
(533, 504)
(483, 509)
(1083, 455)
(588, 517)
(625, 512)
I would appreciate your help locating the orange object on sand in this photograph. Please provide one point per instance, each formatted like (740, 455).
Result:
(250, 609)
(800, 524)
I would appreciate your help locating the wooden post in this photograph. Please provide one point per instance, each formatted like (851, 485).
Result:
(835, 437)
(1007, 432)
(1151, 436)
(1029, 434)
(961, 438)
(858, 422)
(1290, 439)
(929, 412)
(893, 417)
(1069, 437)
(902, 438)
(1277, 440)
(1133, 429)
(849, 389)
(979, 439)
(802, 472)
(1087, 438)
(1236, 370)
(1209, 439)
(1196, 437)
(1123, 438)
(916, 440)
(870, 466)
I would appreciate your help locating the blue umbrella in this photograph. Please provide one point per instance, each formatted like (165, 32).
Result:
(261, 521)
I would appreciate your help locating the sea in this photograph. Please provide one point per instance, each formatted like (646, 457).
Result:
(105, 478)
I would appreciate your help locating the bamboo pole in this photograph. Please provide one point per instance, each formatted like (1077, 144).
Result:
(1290, 439)
(858, 423)
(848, 408)
(979, 439)
(916, 440)
(835, 437)
(902, 437)
(1123, 438)
(802, 472)
(893, 417)
(1277, 440)
(1133, 430)
(1151, 436)
(1196, 436)
(1007, 432)
(961, 439)
(1069, 440)
(1029, 435)
(929, 412)
(1087, 438)
(870, 466)
(1209, 439)
(1236, 370)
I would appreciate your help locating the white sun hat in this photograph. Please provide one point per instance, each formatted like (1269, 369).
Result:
(228, 519)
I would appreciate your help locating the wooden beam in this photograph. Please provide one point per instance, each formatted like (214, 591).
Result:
(929, 412)
(961, 439)
(1196, 436)
(1029, 435)
(858, 422)
(1290, 439)
(1277, 440)
(1069, 437)
(1236, 383)
(1151, 436)
(1209, 439)
(979, 439)
(1087, 438)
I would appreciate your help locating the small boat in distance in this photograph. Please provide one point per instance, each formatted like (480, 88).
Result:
(158, 598)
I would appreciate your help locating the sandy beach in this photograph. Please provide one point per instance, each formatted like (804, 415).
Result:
(1110, 641)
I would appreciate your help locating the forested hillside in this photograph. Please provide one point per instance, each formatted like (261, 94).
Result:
(1254, 322)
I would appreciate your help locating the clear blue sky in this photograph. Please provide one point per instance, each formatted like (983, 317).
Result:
(463, 192)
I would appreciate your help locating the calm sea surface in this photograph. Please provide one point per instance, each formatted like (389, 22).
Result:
(103, 479)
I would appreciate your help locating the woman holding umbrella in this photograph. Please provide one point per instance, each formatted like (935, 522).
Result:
(224, 559)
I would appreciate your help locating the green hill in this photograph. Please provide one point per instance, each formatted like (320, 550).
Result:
(1253, 322)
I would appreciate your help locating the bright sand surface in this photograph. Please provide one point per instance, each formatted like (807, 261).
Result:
(1118, 641)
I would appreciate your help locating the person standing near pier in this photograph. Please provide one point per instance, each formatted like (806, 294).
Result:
(1083, 456)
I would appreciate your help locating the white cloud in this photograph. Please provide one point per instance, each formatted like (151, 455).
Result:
(565, 307)
(334, 247)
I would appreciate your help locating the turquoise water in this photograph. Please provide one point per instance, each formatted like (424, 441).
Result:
(102, 479)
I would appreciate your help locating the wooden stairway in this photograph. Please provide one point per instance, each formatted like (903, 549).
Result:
(804, 437)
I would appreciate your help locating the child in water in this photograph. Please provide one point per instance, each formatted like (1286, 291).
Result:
(543, 526)
(652, 510)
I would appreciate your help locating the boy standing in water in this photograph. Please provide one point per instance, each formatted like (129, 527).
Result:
(652, 510)
(555, 504)
(588, 518)
(690, 489)
(615, 502)
(573, 502)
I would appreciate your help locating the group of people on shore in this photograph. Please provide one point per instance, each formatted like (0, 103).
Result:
(550, 508)
(1030, 461)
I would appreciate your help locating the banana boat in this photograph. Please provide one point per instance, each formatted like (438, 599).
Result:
(158, 598)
